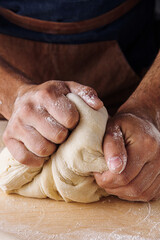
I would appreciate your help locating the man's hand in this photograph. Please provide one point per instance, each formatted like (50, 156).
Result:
(132, 151)
(132, 143)
(42, 117)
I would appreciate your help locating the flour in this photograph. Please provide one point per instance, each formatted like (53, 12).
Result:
(52, 121)
(25, 233)
(87, 95)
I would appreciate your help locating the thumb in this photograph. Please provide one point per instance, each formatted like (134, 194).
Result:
(114, 149)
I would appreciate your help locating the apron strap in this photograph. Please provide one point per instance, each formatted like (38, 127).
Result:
(68, 27)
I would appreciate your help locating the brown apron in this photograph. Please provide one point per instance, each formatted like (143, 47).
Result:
(100, 65)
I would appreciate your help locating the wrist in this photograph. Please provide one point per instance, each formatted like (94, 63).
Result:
(144, 107)
(11, 80)
(8, 99)
(145, 101)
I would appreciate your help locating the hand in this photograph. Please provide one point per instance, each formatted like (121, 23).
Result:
(42, 117)
(132, 151)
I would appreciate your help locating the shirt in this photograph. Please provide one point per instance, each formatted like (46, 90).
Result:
(134, 31)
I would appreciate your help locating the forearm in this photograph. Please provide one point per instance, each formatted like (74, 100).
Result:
(11, 81)
(146, 98)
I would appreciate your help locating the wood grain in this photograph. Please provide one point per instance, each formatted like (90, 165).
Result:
(45, 219)
(111, 218)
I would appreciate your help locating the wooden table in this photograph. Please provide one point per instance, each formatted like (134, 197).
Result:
(111, 218)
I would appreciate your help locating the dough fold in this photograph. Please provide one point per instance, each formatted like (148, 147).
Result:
(68, 174)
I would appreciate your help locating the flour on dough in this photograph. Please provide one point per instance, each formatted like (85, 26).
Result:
(68, 174)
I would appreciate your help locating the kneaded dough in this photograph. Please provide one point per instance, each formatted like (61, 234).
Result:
(68, 174)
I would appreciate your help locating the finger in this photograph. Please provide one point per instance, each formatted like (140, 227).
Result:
(135, 163)
(63, 111)
(152, 193)
(88, 94)
(145, 178)
(54, 88)
(110, 180)
(138, 186)
(47, 126)
(32, 140)
(114, 149)
(22, 155)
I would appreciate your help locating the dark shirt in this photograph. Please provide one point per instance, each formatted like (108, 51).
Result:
(134, 31)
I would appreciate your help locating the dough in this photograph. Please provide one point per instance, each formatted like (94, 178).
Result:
(68, 174)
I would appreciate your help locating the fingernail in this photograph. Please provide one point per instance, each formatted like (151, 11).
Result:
(114, 163)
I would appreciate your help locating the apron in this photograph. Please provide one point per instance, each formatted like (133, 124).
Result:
(100, 65)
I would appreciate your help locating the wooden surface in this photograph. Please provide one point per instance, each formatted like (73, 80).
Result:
(34, 219)
(111, 218)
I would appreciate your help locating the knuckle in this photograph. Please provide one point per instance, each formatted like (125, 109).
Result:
(16, 124)
(135, 191)
(12, 129)
(60, 85)
(57, 87)
(72, 83)
(42, 150)
(23, 159)
(101, 182)
(124, 179)
(30, 161)
(52, 90)
(27, 109)
(43, 94)
(8, 133)
(5, 136)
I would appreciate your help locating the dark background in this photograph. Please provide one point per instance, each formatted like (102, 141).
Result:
(157, 10)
